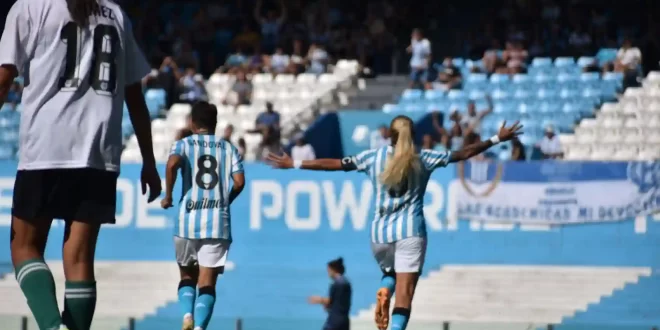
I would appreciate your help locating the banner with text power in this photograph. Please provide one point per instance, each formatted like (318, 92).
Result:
(555, 192)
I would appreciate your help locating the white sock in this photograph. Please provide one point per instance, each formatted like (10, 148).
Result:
(188, 316)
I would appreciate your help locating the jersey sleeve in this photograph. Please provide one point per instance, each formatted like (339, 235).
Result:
(433, 159)
(16, 42)
(236, 161)
(178, 149)
(136, 66)
(361, 162)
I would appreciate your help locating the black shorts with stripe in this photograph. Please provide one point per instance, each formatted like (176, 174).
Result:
(82, 194)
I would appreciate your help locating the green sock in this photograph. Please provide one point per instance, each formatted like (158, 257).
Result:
(38, 285)
(79, 304)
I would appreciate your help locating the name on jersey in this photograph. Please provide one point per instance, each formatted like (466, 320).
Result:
(106, 12)
(205, 144)
(204, 204)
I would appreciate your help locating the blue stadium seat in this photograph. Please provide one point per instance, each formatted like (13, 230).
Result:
(432, 95)
(521, 79)
(499, 94)
(605, 55)
(6, 151)
(7, 107)
(411, 94)
(585, 61)
(498, 78)
(156, 100)
(542, 62)
(569, 93)
(476, 95)
(477, 77)
(456, 95)
(547, 93)
(616, 77)
(564, 61)
(458, 62)
(413, 108)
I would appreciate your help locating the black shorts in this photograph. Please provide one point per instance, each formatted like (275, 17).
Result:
(82, 194)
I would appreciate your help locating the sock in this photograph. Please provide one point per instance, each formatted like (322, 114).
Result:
(36, 281)
(79, 304)
(187, 293)
(388, 282)
(400, 318)
(204, 307)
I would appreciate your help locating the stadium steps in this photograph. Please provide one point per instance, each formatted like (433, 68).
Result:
(380, 90)
(118, 286)
(635, 306)
(534, 295)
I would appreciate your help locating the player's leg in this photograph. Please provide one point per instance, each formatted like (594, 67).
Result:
(212, 256)
(384, 255)
(186, 258)
(408, 263)
(91, 201)
(31, 220)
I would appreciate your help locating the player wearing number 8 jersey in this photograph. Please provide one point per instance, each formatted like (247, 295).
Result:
(80, 63)
(212, 175)
(399, 173)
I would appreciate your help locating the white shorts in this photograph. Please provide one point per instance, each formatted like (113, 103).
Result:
(403, 256)
(209, 253)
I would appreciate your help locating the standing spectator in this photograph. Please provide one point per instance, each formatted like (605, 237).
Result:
(302, 150)
(550, 146)
(518, 150)
(450, 76)
(380, 138)
(270, 24)
(420, 50)
(270, 143)
(268, 119)
(338, 301)
(242, 89)
(628, 59)
(317, 58)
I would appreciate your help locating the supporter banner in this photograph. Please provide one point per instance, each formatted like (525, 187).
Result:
(555, 192)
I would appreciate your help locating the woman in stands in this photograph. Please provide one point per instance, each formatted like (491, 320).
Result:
(400, 173)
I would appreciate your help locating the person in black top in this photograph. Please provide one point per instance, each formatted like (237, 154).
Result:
(338, 301)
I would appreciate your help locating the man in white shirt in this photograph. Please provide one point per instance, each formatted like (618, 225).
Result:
(420, 59)
(550, 146)
(380, 138)
(628, 57)
(302, 150)
(82, 62)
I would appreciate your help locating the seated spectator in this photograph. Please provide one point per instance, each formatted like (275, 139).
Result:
(420, 50)
(380, 138)
(517, 150)
(279, 62)
(514, 55)
(449, 76)
(302, 150)
(242, 88)
(317, 58)
(472, 120)
(234, 62)
(256, 62)
(628, 59)
(269, 144)
(268, 119)
(297, 59)
(550, 146)
(192, 87)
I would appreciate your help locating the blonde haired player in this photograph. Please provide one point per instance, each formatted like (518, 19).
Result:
(399, 173)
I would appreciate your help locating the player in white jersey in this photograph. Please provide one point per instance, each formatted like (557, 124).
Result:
(202, 231)
(80, 63)
(399, 173)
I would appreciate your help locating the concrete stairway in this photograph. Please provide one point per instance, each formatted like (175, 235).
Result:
(380, 90)
(513, 294)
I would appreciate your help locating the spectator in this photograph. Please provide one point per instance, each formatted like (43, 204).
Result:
(302, 150)
(234, 61)
(242, 89)
(269, 144)
(242, 147)
(628, 59)
(270, 24)
(278, 62)
(473, 119)
(550, 146)
(454, 138)
(317, 58)
(297, 63)
(420, 50)
(268, 119)
(380, 138)
(192, 87)
(515, 55)
(228, 133)
(256, 62)
(449, 76)
(518, 150)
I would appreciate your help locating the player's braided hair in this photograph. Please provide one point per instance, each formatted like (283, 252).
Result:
(81, 10)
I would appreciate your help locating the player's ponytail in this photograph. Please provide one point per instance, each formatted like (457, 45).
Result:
(405, 158)
(81, 10)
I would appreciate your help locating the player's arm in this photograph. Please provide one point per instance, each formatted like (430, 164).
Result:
(237, 175)
(318, 300)
(15, 46)
(346, 164)
(173, 165)
(467, 152)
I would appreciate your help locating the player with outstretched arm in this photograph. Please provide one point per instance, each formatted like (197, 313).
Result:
(399, 173)
(202, 230)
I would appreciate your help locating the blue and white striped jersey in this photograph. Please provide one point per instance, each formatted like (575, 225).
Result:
(399, 212)
(209, 163)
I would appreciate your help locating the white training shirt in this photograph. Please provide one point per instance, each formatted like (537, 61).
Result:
(421, 49)
(74, 83)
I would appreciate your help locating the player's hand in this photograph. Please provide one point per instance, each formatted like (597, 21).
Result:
(508, 133)
(166, 202)
(150, 178)
(282, 162)
(314, 300)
